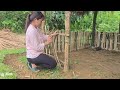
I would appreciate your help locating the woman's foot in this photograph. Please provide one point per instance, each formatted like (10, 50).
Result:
(33, 67)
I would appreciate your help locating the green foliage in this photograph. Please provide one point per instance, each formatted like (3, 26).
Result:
(107, 21)
(55, 20)
(83, 23)
(14, 20)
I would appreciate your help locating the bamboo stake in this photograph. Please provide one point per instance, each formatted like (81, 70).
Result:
(67, 28)
(43, 23)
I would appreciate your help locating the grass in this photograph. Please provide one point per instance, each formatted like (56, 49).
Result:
(6, 72)
(4, 52)
(23, 59)
(51, 74)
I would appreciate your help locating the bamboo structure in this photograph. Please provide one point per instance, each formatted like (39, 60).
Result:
(67, 31)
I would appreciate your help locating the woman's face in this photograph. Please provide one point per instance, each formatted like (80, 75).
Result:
(38, 22)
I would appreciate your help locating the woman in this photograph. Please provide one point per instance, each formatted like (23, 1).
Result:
(36, 42)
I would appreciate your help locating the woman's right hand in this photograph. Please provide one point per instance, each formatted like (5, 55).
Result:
(49, 40)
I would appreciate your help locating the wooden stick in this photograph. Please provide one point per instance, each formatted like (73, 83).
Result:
(55, 52)
(63, 34)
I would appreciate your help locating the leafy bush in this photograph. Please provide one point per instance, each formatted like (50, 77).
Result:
(106, 21)
(14, 20)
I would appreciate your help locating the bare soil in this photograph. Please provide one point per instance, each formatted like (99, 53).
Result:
(10, 40)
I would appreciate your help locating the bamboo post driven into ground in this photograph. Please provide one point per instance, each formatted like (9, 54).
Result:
(67, 31)
(43, 22)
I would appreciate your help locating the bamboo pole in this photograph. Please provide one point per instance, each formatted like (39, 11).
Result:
(59, 42)
(63, 38)
(79, 40)
(98, 41)
(115, 42)
(111, 41)
(67, 31)
(43, 22)
(103, 40)
(107, 42)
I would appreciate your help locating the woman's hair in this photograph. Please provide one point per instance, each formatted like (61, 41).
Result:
(35, 14)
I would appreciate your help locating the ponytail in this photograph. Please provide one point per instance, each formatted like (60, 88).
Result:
(28, 21)
(32, 16)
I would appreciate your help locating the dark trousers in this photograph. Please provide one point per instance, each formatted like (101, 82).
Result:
(44, 61)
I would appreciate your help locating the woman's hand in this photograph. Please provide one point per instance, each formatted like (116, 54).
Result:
(54, 34)
(49, 40)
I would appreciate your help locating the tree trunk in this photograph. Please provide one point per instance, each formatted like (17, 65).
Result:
(94, 29)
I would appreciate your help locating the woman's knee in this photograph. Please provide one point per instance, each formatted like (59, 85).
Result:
(54, 64)
(49, 65)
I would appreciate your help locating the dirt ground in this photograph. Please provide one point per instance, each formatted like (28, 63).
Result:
(88, 63)
(11, 40)
(84, 64)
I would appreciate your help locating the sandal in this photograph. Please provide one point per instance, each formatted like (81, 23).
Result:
(32, 69)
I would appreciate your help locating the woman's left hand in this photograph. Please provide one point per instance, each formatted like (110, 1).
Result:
(55, 33)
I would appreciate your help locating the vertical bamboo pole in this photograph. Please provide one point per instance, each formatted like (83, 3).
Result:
(86, 39)
(60, 41)
(76, 37)
(115, 41)
(103, 40)
(63, 39)
(67, 31)
(59, 44)
(43, 29)
(98, 41)
(82, 37)
(43, 22)
(71, 41)
(79, 40)
(107, 41)
(111, 41)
